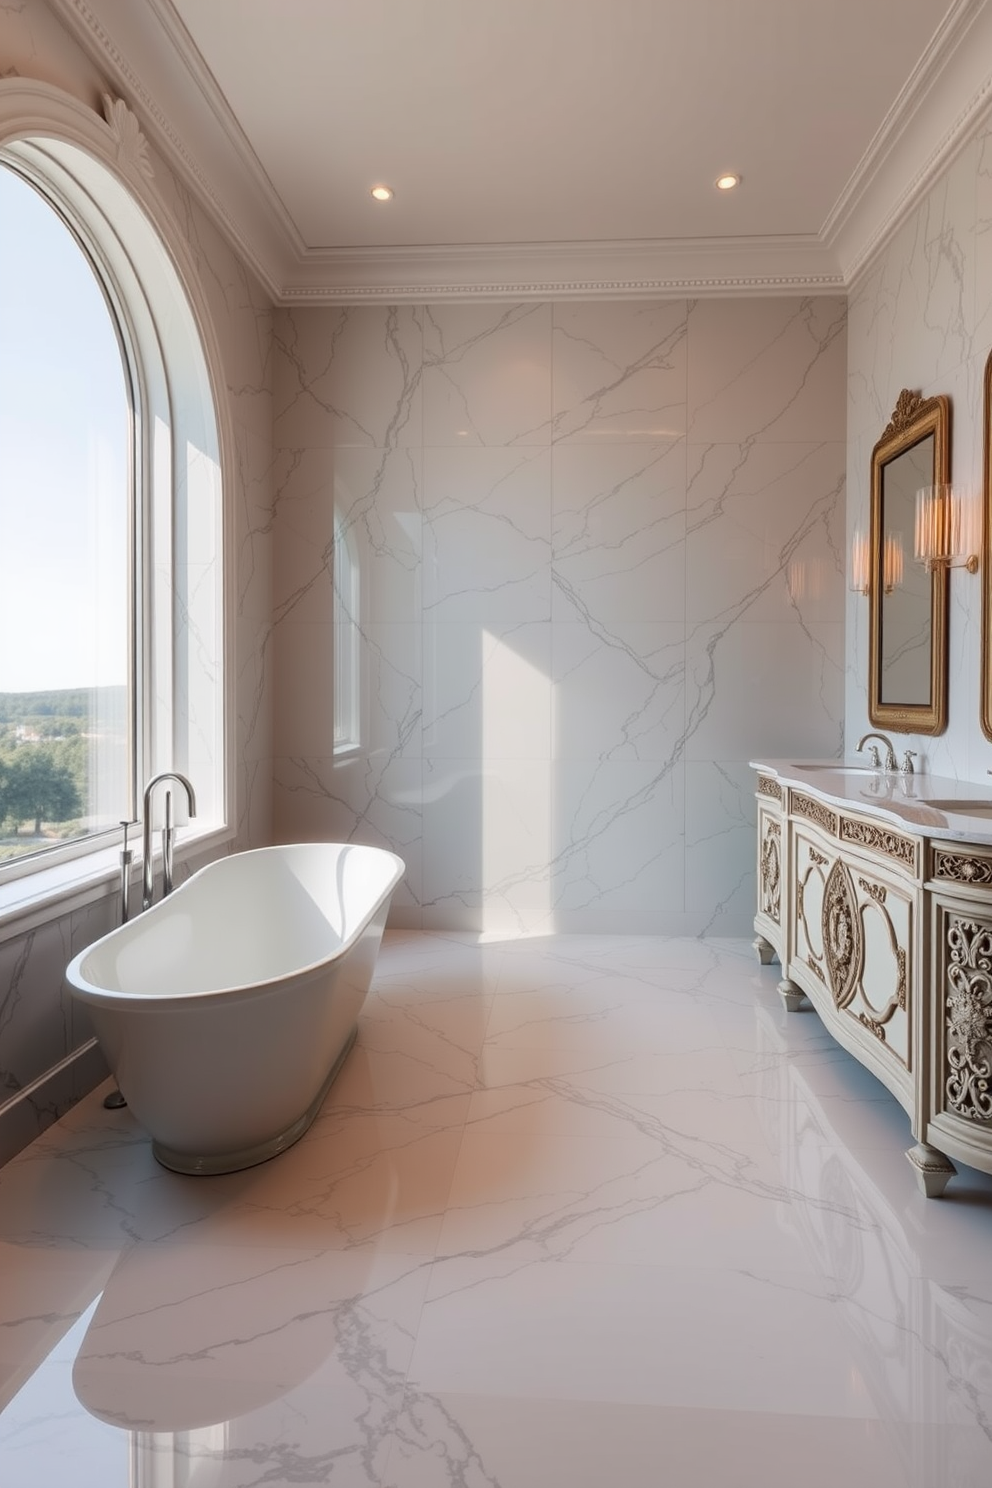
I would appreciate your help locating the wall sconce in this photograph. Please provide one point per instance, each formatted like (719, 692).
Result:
(948, 528)
(893, 562)
(860, 562)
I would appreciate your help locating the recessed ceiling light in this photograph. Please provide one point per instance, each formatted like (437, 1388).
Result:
(382, 193)
(727, 182)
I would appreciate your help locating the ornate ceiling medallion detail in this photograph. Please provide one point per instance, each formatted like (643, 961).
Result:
(132, 147)
(969, 1019)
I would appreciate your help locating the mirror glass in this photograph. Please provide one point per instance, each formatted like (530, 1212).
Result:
(908, 636)
(905, 633)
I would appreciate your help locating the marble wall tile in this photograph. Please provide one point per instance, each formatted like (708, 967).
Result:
(618, 532)
(372, 799)
(765, 531)
(618, 692)
(619, 372)
(487, 844)
(921, 318)
(487, 535)
(487, 375)
(348, 377)
(597, 601)
(34, 1005)
(727, 701)
(619, 843)
(766, 370)
(487, 691)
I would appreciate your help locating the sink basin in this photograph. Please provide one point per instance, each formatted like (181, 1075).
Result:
(966, 808)
(838, 767)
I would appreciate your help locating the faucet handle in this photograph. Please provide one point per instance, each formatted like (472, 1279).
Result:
(874, 758)
(907, 761)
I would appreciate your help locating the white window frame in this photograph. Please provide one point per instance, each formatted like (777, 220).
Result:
(97, 176)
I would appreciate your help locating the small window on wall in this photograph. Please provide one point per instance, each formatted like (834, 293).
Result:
(347, 643)
(67, 593)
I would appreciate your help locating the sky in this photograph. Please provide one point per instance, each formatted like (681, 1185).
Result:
(64, 453)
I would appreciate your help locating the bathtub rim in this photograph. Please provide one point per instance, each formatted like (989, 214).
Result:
(109, 997)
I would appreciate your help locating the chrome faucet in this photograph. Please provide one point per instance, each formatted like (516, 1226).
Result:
(890, 754)
(168, 834)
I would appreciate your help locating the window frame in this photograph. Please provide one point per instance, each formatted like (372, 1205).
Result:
(96, 175)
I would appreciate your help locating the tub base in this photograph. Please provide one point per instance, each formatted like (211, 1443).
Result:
(207, 1165)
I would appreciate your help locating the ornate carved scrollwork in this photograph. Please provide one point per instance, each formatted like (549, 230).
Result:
(771, 872)
(891, 844)
(817, 858)
(768, 787)
(814, 812)
(842, 935)
(873, 890)
(908, 405)
(874, 1025)
(961, 867)
(968, 1002)
(132, 147)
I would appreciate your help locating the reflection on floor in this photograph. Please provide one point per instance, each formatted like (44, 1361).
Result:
(578, 1211)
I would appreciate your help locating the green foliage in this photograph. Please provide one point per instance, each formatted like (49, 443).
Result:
(38, 783)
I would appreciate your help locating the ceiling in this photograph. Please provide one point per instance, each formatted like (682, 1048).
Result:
(549, 146)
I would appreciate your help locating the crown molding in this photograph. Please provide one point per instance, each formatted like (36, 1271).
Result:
(607, 270)
(151, 61)
(936, 114)
(146, 54)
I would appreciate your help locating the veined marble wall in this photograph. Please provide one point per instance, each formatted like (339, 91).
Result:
(601, 563)
(39, 1025)
(920, 317)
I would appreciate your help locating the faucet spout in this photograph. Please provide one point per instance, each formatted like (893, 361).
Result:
(148, 877)
(890, 754)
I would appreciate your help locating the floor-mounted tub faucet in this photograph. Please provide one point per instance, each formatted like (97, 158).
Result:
(168, 833)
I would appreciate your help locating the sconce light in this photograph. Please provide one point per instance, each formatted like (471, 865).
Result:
(860, 561)
(893, 562)
(948, 527)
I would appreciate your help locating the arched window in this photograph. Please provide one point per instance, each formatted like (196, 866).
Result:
(111, 508)
(67, 526)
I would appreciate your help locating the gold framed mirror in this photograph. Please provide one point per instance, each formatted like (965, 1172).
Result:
(907, 641)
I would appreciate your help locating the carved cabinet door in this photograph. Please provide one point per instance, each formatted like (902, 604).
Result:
(853, 929)
(960, 1065)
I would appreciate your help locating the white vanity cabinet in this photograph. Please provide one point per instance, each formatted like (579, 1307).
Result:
(883, 921)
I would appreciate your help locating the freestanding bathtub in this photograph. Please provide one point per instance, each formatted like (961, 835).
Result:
(226, 1010)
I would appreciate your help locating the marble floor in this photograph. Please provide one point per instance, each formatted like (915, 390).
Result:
(578, 1211)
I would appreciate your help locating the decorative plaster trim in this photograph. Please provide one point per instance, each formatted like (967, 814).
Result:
(924, 129)
(886, 186)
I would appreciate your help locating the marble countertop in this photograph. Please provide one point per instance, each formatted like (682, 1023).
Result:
(932, 805)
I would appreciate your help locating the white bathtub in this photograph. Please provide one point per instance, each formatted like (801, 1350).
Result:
(226, 1010)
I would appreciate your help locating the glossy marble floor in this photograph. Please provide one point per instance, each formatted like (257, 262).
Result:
(579, 1211)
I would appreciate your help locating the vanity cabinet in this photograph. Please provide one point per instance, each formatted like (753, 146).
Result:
(887, 932)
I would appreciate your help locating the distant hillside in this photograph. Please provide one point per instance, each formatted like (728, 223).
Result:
(68, 702)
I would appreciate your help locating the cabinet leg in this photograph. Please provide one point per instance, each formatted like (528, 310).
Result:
(791, 995)
(764, 949)
(933, 1169)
